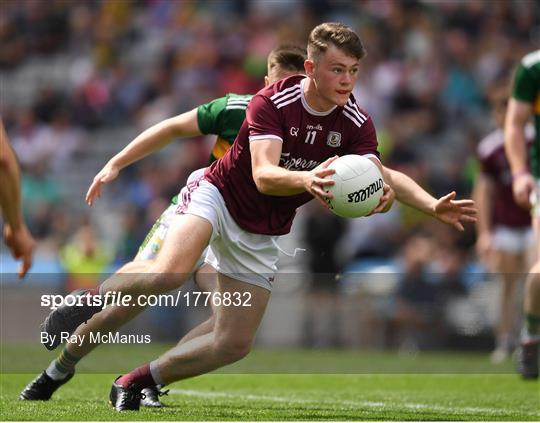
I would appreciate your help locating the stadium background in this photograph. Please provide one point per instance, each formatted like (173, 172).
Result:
(80, 79)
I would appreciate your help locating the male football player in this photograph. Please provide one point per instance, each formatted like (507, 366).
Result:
(504, 229)
(243, 202)
(524, 104)
(222, 117)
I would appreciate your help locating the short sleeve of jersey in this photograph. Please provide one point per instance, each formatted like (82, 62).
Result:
(524, 88)
(263, 119)
(209, 116)
(365, 140)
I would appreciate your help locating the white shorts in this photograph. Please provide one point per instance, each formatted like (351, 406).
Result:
(512, 240)
(154, 239)
(234, 252)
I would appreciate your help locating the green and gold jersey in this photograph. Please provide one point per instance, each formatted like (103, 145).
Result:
(223, 117)
(526, 88)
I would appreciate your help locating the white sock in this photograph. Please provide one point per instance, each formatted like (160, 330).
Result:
(53, 372)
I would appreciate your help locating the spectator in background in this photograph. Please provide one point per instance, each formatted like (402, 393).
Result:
(16, 234)
(461, 94)
(451, 285)
(415, 310)
(42, 194)
(32, 141)
(504, 229)
(68, 139)
(320, 320)
(85, 258)
(47, 103)
(47, 144)
(131, 236)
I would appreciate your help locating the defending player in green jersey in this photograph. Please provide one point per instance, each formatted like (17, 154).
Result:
(223, 117)
(524, 104)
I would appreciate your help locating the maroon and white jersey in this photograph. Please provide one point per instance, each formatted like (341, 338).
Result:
(494, 165)
(309, 137)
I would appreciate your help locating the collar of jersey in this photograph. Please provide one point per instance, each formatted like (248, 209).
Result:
(308, 108)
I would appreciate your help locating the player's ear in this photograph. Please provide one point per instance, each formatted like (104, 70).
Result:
(309, 66)
(266, 81)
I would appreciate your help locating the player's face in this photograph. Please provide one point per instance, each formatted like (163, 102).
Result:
(334, 74)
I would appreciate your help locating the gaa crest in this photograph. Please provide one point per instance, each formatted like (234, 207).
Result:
(334, 139)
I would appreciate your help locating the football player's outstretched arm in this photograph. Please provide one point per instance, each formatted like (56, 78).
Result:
(149, 141)
(16, 234)
(446, 209)
(274, 180)
(517, 116)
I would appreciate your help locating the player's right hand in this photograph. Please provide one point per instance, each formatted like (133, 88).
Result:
(21, 244)
(522, 186)
(105, 175)
(316, 181)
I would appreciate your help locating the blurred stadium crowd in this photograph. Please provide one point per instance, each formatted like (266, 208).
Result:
(81, 78)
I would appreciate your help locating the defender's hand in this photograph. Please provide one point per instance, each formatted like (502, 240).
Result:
(106, 175)
(454, 212)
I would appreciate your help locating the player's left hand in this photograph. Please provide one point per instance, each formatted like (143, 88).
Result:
(386, 201)
(454, 212)
(21, 244)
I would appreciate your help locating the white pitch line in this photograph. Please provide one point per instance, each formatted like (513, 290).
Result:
(348, 403)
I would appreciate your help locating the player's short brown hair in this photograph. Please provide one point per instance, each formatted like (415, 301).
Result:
(342, 36)
(288, 57)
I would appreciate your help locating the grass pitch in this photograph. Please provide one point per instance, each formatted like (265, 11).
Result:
(286, 396)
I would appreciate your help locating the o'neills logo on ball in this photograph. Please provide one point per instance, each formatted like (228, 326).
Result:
(364, 194)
